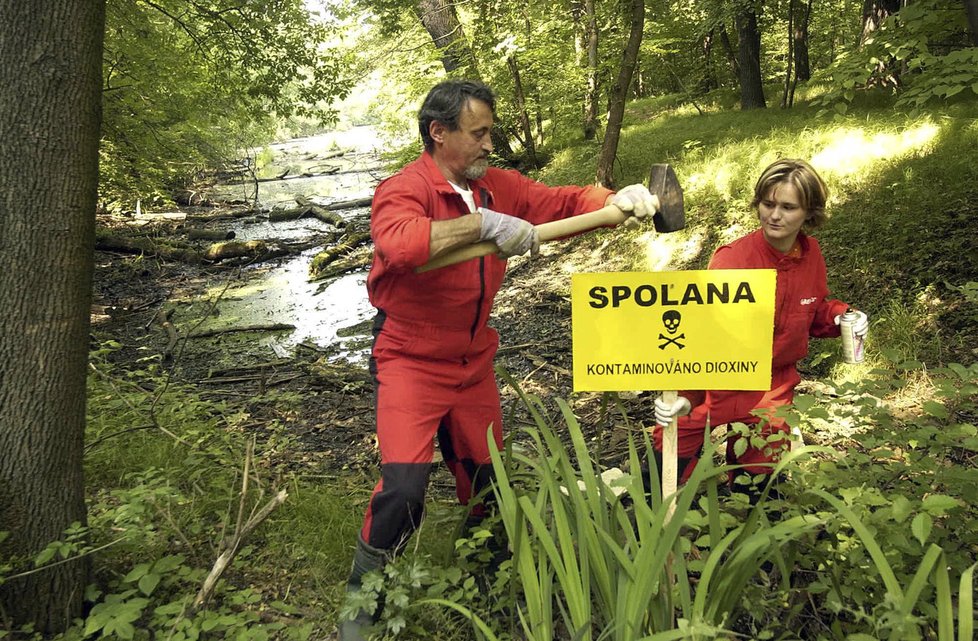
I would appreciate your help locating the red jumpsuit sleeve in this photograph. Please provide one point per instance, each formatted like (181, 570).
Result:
(823, 325)
(399, 223)
(539, 203)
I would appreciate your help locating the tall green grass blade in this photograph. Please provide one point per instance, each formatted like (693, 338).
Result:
(921, 577)
(966, 605)
(945, 606)
(481, 625)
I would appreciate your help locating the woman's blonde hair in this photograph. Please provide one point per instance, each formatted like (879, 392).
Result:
(811, 188)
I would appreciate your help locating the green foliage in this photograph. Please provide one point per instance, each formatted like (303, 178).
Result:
(922, 50)
(187, 85)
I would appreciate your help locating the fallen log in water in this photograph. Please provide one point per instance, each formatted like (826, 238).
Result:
(142, 245)
(234, 249)
(265, 327)
(195, 233)
(327, 262)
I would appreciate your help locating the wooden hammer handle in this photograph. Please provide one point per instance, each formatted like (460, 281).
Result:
(606, 216)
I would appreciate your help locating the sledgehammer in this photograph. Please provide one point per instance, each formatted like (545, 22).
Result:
(669, 216)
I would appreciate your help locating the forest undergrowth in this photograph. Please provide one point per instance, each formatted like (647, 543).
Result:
(873, 534)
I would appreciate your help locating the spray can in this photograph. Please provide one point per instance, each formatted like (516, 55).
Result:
(852, 345)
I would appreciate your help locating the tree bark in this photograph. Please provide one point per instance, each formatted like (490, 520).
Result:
(803, 69)
(50, 98)
(586, 54)
(707, 81)
(528, 142)
(619, 95)
(729, 52)
(790, 54)
(440, 20)
(749, 60)
(972, 8)
(874, 13)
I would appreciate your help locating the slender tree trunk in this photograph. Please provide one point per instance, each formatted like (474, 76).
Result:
(972, 7)
(524, 117)
(50, 101)
(803, 71)
(619, 95)
(749, 60)
(707, 81)
(586, 46)
(790, 54)
(591, 95)
(728, 50)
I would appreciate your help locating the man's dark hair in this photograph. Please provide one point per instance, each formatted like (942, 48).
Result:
(444, 104)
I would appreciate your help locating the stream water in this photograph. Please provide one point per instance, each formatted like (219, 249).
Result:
(282, 293)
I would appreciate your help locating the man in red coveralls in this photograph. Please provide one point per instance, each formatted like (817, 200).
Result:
(789, 198)
(432, 359)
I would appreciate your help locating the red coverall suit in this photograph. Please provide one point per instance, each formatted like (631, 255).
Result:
(801, 309)
(432, 358)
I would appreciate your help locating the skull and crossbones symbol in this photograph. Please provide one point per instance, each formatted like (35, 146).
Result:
(671, 319)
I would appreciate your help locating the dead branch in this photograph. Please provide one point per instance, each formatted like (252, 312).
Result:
(231, 546)
(269, 327)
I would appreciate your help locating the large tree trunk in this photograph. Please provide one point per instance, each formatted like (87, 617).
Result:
(749, 60)
(619, 95)
(50, 81)
(441, 22)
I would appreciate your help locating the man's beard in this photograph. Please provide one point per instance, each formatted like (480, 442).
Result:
(477, 170)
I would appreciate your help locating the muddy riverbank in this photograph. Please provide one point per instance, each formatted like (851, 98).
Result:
(282, 348)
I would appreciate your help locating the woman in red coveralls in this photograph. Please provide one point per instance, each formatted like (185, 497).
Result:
(790, 200)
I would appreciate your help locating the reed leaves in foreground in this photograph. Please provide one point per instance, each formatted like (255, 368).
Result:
(593, 561)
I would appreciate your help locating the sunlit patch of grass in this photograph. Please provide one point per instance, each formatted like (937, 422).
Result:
(849, 152)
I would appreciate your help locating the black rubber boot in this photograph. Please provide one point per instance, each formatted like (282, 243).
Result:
(365, 559)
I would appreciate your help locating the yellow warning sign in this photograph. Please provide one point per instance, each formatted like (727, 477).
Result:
(709, 329)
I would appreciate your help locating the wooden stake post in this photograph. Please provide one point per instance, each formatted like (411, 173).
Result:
(670, 457)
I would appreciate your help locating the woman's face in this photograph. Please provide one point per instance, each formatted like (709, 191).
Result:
(781, 216)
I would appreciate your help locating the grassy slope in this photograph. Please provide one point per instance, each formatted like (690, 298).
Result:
(904, 197)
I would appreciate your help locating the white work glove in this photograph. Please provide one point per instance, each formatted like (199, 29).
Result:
(637, 202)
(860, 327)
(513, 236)
(666, 413)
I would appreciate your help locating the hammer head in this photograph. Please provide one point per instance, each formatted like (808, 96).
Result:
(664, 184)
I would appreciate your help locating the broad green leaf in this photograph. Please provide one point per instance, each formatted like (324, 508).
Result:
(921, 527)
(148, 583)
(939, 504)
(936, 409)
(900, 509)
